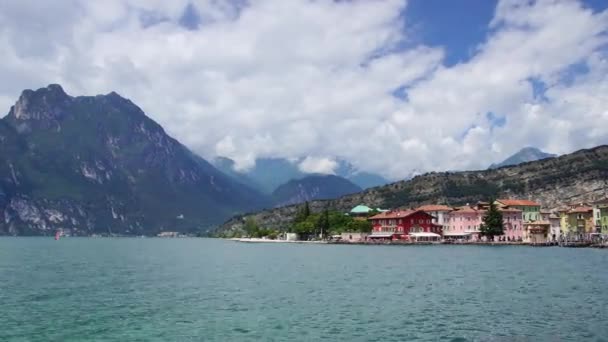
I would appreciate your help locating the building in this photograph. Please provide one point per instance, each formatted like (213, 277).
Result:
(441, 213)
(600, 216)
(554, 227)
(362, 211)
(398, 224)
(530, 210)
(353, 236)
(580, 220)
(536, 231)
(512, 224)
(545, 214)
(463, 223)
(563, 220)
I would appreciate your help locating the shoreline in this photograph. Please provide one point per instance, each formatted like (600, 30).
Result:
(423, 243)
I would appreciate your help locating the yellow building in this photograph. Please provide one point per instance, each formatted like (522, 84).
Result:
(580, 220)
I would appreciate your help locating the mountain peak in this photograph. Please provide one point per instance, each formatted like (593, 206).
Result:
(526, 154)
(44, 103)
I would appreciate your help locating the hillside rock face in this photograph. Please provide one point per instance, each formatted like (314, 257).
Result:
(576, 177)
(99, 165)
(315, 187)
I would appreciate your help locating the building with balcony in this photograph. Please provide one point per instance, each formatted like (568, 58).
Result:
(399, 224)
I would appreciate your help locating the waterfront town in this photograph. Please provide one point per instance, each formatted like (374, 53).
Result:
(519, 221)
(523, 221)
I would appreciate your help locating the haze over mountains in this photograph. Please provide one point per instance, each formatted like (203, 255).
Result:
(269, 173)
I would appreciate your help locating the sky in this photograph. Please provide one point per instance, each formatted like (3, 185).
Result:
(395, 87)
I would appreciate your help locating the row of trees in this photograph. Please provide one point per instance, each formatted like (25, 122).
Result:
(326, 223)
(309, 225)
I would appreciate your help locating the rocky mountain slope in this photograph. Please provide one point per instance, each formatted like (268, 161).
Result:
(99, 165)
(526, 154)
(580, 176)
(314, 187)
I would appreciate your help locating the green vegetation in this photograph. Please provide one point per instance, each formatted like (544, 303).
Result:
(326, 223)
(254, 231)
(478, 187)
(492, 222)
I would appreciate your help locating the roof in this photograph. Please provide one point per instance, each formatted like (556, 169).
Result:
(509, 210)
(435, 207)
(361, 209)
(545, 211)
(580, 210)
(393, 214)
(518, 202)
(467, 210)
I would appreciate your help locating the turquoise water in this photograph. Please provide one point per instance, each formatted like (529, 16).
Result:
(80, 289)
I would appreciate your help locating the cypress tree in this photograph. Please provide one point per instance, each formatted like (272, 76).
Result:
(323, 223)
(492, 222)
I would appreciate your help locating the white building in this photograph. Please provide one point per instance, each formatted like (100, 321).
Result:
(441, 214)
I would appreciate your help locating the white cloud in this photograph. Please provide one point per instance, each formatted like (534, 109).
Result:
(315, 78)
(318, 165)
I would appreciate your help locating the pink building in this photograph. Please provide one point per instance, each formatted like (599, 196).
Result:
(465, 222)
(513, 225)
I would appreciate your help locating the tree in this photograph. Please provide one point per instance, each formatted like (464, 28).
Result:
(302, 214)
(359, 226)
(323, 223)
(304, 228)
(492, 222)
(251, 227)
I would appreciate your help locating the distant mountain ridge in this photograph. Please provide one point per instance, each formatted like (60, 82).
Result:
(99, 165)
(526, 154)
(313, 187)
(270, 173)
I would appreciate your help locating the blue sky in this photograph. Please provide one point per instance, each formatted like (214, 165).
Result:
(392, 86)
(458, 26)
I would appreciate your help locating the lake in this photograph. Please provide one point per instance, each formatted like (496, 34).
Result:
(150, 289)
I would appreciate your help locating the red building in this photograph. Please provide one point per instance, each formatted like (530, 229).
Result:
(398, 224)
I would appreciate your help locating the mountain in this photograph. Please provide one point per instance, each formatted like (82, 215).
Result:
(573, 178)
(265, 176)
(314, 187)
(269, 173)
(526, 154)
(99, 165)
